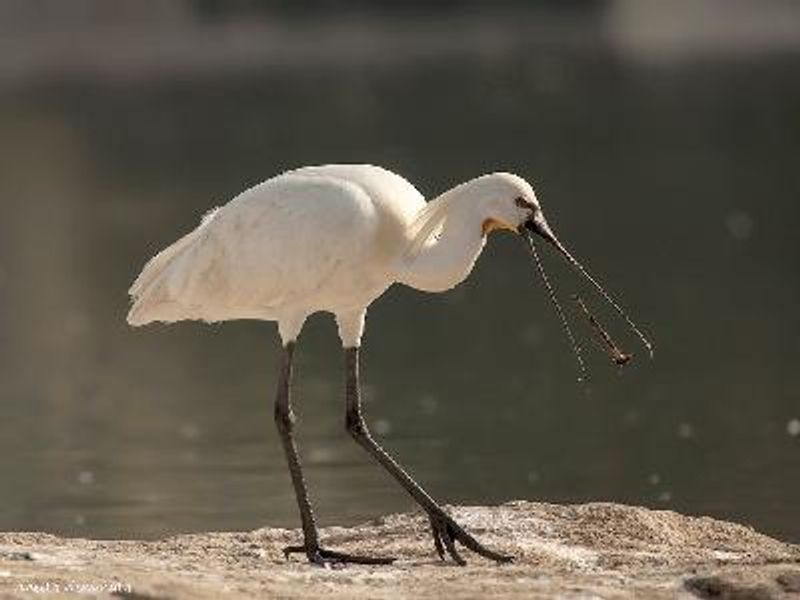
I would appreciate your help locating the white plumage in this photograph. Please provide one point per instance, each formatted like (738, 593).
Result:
(334, 238)
(328, 238)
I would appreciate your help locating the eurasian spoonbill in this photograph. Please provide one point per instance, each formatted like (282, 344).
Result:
(333, 238)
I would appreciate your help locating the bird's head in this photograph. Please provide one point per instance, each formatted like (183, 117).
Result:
(509, 202)
(514, 206)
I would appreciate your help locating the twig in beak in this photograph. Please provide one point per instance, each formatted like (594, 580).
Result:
(539, 225)
(557, 305)
(619, 357)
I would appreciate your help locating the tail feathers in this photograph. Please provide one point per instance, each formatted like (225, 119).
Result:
(147, 292)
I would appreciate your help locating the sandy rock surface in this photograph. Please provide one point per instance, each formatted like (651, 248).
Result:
(585, 551)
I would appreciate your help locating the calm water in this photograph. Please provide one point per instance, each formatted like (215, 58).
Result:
(677, 184)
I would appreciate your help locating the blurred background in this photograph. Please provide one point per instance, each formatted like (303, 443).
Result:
(663, 140)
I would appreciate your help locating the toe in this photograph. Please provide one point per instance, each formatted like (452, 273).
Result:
(343, 557)
(437, 540)
(447, 537)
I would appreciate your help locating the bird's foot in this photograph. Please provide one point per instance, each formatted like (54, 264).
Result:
(331, 558)
(446, 532)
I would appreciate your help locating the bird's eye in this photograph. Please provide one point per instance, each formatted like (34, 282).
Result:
(522, 202)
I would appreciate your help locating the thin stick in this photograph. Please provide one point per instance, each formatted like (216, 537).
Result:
(564, 323)
(619, 357)
(579, 267)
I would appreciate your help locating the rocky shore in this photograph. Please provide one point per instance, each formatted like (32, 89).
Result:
(583, 551)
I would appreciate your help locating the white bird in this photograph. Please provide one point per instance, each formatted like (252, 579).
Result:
(333, 238)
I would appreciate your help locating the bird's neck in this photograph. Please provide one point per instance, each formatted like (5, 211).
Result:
(448, 241)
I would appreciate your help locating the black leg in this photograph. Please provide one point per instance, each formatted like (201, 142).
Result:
(284, 419)
(444, 529)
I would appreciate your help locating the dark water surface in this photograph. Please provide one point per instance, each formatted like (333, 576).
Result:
(677, 184)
